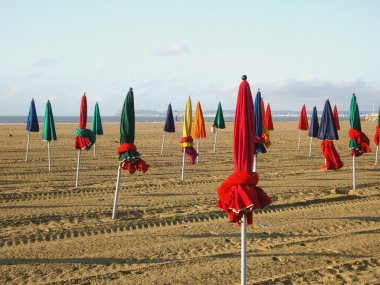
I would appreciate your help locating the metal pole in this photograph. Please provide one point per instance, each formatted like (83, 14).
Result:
(198, 150)
(116, 192)
(377, 154)
(49, 163)
(183, 163)
(163, 141)
(311, 140)
(78, 164)
(254, 163)
(216, 134)
(243, 250)
(94, 150)
(299, 140)
(354, 171)
(27, 147)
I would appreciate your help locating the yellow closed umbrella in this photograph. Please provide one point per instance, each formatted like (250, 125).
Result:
(187, 140)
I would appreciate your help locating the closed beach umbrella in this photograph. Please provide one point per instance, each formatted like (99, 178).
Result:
(48, 133)
(169, 126)
(262, 112)
(336, 118)
(239, 194)
(262, 136)
(376, 137)
(303, 124)
(96, 127)
(218, 122)
(268, 123)
(359, 142)
(314, 127)
(187, 140)
(129, 157)
(85, 138)
(327, 134)
(31, 125)
(199, 130)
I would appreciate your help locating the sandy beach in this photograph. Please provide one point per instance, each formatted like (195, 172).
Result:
(316, 231)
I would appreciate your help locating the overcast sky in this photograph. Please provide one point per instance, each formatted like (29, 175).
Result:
(295, 51)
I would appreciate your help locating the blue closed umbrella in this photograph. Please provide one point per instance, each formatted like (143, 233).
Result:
(31, 125)
(169, 126)
(314, 127)
(327, 129)
(259, 147)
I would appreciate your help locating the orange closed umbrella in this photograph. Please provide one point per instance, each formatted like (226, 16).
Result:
(199, 130)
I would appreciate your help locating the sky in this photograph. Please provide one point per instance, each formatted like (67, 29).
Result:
(295, 51)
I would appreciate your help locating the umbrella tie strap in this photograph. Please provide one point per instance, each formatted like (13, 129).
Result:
(376, 138)
(130, 159)
(187, 145)
(362, 141)
(186, 141)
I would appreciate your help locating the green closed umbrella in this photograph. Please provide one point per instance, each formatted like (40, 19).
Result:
(48, 133)
(96, 125)
(359, 142)
(376, 138)
(218, 122)
(129, 157)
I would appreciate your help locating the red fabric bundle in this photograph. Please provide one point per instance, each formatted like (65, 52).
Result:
(332, 157)
(376, 138)
(239, 195)
(81, 142)
(190, 151)
(362, 140)
(132, 164)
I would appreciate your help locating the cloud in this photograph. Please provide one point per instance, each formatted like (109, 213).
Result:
(48, 61)
(171, 50)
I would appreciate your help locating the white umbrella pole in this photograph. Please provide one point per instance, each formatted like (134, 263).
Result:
(354, 172)
(243, 250)
(163, 141)
(299, 140)
(197, 150)
(27, 147)
(94, 150)
(311, 140)
(78, 165)
(49, 162)
(116, 192)
(216, 134)
(377, 154)
(183, 163)
(254, 169)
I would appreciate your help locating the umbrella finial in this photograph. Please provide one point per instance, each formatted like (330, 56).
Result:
(244, 77)
(353, 94)
(258, 89)
(130, 88)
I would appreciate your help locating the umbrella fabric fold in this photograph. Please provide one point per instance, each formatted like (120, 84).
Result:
(129, 157)
(239, 194)
(96, 127)
(359, 142)
(219, 118)
(48, 133)
(32, 122)
(336, 118)
(187, 140)
(85, 138)
(376, 138)
(268, 123)
(199, 130)
(266, 135)
(169, 126)
(327, 134)
(261, 136)
(303, 124)
(314, 124)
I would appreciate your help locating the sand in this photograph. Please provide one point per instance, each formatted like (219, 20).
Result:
(168, 232)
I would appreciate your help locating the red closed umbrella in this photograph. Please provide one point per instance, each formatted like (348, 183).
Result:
(238, 194)
(303, 124)
(336, 118)
(268, 123)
